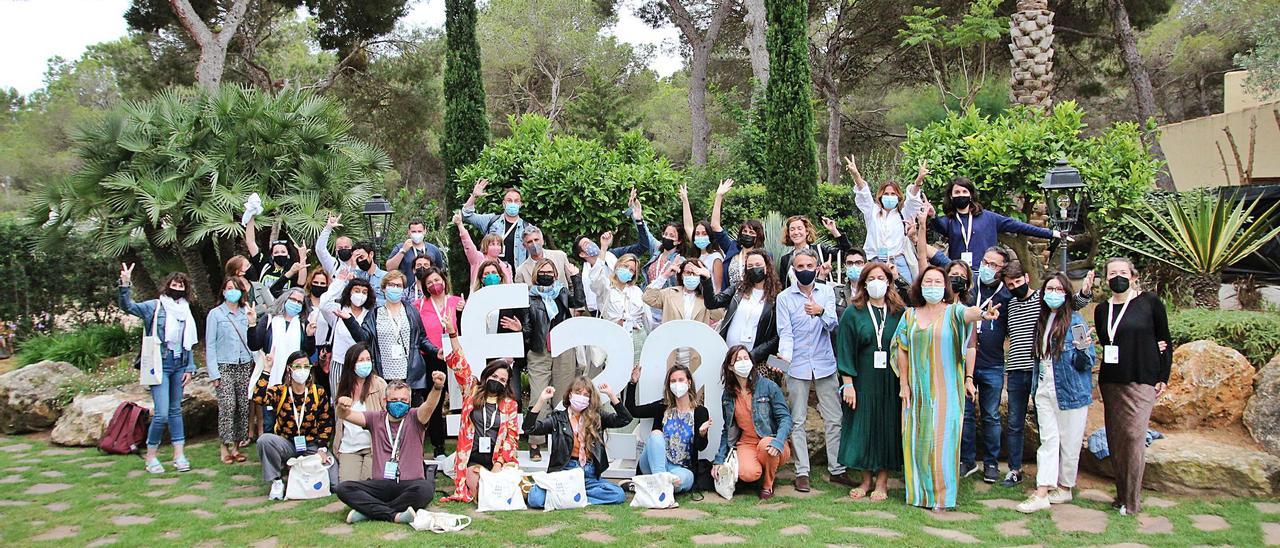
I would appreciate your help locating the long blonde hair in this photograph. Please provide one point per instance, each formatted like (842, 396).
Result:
(592, 433)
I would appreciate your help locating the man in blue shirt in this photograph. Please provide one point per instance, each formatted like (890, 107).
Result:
(806, 314)
(988, 372)
(509, 224)
(404, 254)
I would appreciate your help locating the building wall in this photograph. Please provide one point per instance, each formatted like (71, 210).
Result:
(1192, 147)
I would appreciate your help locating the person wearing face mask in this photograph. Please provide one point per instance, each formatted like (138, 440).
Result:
(749, 318)
(490, 248)
(550, 303)
(750, 237)
(806, 320)
(230, 363)
(488, 428)
(1020, 367)
(418, 287)
(343, 248)
(285, 268)
(801, 235)
(401, 481)
(886, 216)
(281, 333)
(169, 316)
(959, 273)
(352, 444)
(664, 249)
(679, 296)
(988, 291)
(871, 431)
(700, 235)
(854, 262)
(436, 309)
(405, 253)
(757, 422)
(317, 284)
(621, 301)
(303, 425)
(1063, 388)
(508, 225)
(934, 377)
(366, 268)
(347, 296)
(1134, 331)
(536, 251)
(680, 426)
(590, 253)
(969, 228)
(577, 435)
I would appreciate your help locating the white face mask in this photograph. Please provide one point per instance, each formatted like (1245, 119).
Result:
(743, 367)
(301, 375)
(679, 389)
(358, 299)
(877, 288)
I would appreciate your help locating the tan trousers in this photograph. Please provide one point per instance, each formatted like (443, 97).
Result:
(1127, 412)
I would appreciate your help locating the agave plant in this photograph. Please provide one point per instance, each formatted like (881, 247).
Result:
(172, 174)
(1202, 237)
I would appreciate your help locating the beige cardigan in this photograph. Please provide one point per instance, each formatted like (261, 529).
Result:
(375, 401)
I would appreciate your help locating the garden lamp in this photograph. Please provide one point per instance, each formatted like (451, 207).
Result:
(1064, 194)
(377, 219)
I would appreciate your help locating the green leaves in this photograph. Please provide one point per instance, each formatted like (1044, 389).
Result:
(1204, 236)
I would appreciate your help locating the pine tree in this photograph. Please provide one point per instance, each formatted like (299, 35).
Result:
(466, 130)
(791, 170)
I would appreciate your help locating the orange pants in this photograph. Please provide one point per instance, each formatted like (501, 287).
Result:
(754, 461)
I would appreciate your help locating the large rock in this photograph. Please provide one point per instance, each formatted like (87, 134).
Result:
(1193, 464)
(1262, 414)
(816, 435)
(1208, 387)
(89, 414)
(29, 396)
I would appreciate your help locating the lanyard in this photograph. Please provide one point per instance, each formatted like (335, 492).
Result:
(507, 234)
(440, 311)
(1044, 341)
(966, 232)
(983, 304)
(298, 415)
(877, 325)
(1113, 320)
(394, 441)
(485, 421)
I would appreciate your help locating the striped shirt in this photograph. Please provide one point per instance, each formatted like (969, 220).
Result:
(1023, 314)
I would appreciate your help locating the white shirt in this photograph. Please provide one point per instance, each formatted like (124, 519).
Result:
(626, 304)
(689, 299)
(354, 438)
(609, 262)
(746, 319)
(885, 229)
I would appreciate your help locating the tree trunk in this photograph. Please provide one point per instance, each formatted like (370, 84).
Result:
(1143, 93)
(834, 128)
(213, 45)
(755, 41)
(701, 127)
(1031, 43)
(1205, 289)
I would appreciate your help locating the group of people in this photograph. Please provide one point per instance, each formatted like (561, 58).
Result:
(907, 348)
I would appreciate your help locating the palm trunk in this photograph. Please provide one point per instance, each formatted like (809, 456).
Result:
(1205, 289)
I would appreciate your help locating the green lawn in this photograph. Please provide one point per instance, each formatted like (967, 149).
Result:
(109, 499)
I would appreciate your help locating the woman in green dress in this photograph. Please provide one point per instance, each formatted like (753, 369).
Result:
(934, 377)
(871, 430)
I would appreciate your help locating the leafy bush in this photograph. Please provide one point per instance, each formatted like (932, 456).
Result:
(1254, 334)
(84, 348)
(40, 286)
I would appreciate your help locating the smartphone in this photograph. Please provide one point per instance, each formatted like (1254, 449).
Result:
(778, 363)
(1079, 332)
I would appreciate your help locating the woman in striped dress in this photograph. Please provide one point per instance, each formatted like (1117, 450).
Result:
(934, 378)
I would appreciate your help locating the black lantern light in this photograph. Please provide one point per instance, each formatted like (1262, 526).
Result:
(1064, 194)
(377, 219)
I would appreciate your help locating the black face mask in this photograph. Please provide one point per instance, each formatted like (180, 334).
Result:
(806, 277)
(420, 272)
(364, 264)
(282, 261)
(746, 240)
(755, 275)
(175, 294)
(1020, 291)
(344, 255)
(318, 290)
(1118, 284)
(494, 386)
(545, 279)
(668, 244)
(961, 202)
(959, 284)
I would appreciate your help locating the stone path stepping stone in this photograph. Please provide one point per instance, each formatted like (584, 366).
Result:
(6, 502)
(952, 515)
(28, 461)
(873, 531)
(202, 513)
(16, 448)
(184, 499)
(822, 517)
(206, 472)
(597, 536)
(1015, 528)
(1154, 525)
(202, 486)
(544, 531)
(336, 530)
(1271, 534)
(396, 535)
(1268, 507)
(1004, 504)
(688, 514)
(745, 522)
(57, 506)
(1157, 502)
(121, 507)
(102, 464)
(99, 475)
(651, 529)
(245, 489)
(244, 501)
(597, 516)
(795, 530)
(52, 474)
(790, 491)
(135, 473)
(241, 478)
(59, 452)
(277, 507)
(951, 535)
(1209, 522)
(15, 478)
(718, 538)
(774, 506)
(875, 514)
(156, 494)
(1071, 518)
(104, 541)
(18, 469)
(1096, 496)
(336, 506)
(46, 488)
(267, 543)
(132, 520)
(1125, 545)
(161, 481)
(58, 533)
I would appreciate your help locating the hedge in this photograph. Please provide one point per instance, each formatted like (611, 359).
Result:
(1254, 334)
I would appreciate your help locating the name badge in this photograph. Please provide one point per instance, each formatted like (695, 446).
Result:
(300, 444)
(881, 359)
(391, 470)
(1111, 354)
(967, 257)
(485, 444)
(884, 253)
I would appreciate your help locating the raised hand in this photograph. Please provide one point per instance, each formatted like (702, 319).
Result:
(511, 324)
(333, 221)
(724, 188)
(830, 225)
(342, 313)
(604, 387)
(126, 273)
(311, 328)
(991, 312)
(251, 315)
(851, 164)
(1087, 285)
(606, 241)
(812, 308)
(457, 218)
(478, 189)
(547, 393)
(571, 270)
(344, 403)
(922, 170)
(684, 192)
(437, 379)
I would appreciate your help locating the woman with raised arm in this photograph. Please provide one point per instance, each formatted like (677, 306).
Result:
(800, 234)
(490, 248)
(352, 444)
(750, 236)
(680, 425)
(700, 234)
(577, 438)
(886, 216)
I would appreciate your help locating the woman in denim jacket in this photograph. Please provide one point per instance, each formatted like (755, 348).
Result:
(1063, 390)
(230, 364)
(760, 433)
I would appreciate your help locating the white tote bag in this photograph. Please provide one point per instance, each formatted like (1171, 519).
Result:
(565, 489)
(308, 478)
(728, 475)
(150, 358)
(500, 491)
(439, 522)
(655, 491)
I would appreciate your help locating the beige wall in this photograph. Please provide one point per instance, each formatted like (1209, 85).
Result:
(1192, 146)
(1235, 97)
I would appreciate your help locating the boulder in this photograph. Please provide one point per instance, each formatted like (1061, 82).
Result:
(1194, 464)
(1209, 385)
(816, 434)
(29, 396)
(89, 414)
(1262, 413)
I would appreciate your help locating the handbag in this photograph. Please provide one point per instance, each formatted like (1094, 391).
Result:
(308, 478)
(728, 475)
(439, 522)
(500, 491)
(702, 480)
(565, 489)
(654, 491)
(150, 358)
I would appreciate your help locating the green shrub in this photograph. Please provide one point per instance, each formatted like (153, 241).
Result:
(1254, 334)
(84, 348)
(102, 379)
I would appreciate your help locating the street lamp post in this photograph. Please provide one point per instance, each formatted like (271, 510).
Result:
(1065, 196)
(377, 219)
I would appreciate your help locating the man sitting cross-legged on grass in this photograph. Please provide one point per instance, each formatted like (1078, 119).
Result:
(399, 482)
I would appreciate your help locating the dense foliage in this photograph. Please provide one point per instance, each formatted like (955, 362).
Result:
(1254, 334)
(40, 287)
(791, 164)
(84, 348)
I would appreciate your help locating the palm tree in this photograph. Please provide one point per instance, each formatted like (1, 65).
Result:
(1031, 33)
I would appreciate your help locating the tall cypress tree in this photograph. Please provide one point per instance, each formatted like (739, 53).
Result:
(466, 130)
(791, 169)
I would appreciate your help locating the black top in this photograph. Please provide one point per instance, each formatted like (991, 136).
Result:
(766, 340)
(1143, 325)
(486, 430)
(658, 409)
(825, 253)
(557, 427)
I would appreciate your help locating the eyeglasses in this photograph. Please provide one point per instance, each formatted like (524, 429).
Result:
(279, 242)
(991, 264)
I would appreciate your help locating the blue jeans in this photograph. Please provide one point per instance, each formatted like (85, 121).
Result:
(903, 268)
(654, 461)
(598, 490)
(990, 381)
(1019, 386)
(167, 400)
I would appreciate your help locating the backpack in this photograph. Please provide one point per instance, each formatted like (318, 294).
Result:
(127, 432)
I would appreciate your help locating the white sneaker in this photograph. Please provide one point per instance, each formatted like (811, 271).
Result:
(1060, 496)
(1033, 504)
(1124, 511)
(277, 490)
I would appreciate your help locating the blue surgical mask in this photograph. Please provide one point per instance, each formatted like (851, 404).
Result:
(691, 282)
(1054, 299)
(624, 275)
(512, 209)
(933, 294)
(232, 295)
(363, 369)
(535, 249)
(397, 409)
(853, 272)
(592, 250)
(394, 294)
(491, 279)
(987, 275)
(701, 241)
(292, 308)
(889, 201)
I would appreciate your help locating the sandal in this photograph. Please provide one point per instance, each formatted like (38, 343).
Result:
(154, 467)
(857, 493)
(240, 457)
(535, 454)
(228, 459)
(879, 496)
(181, 464)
